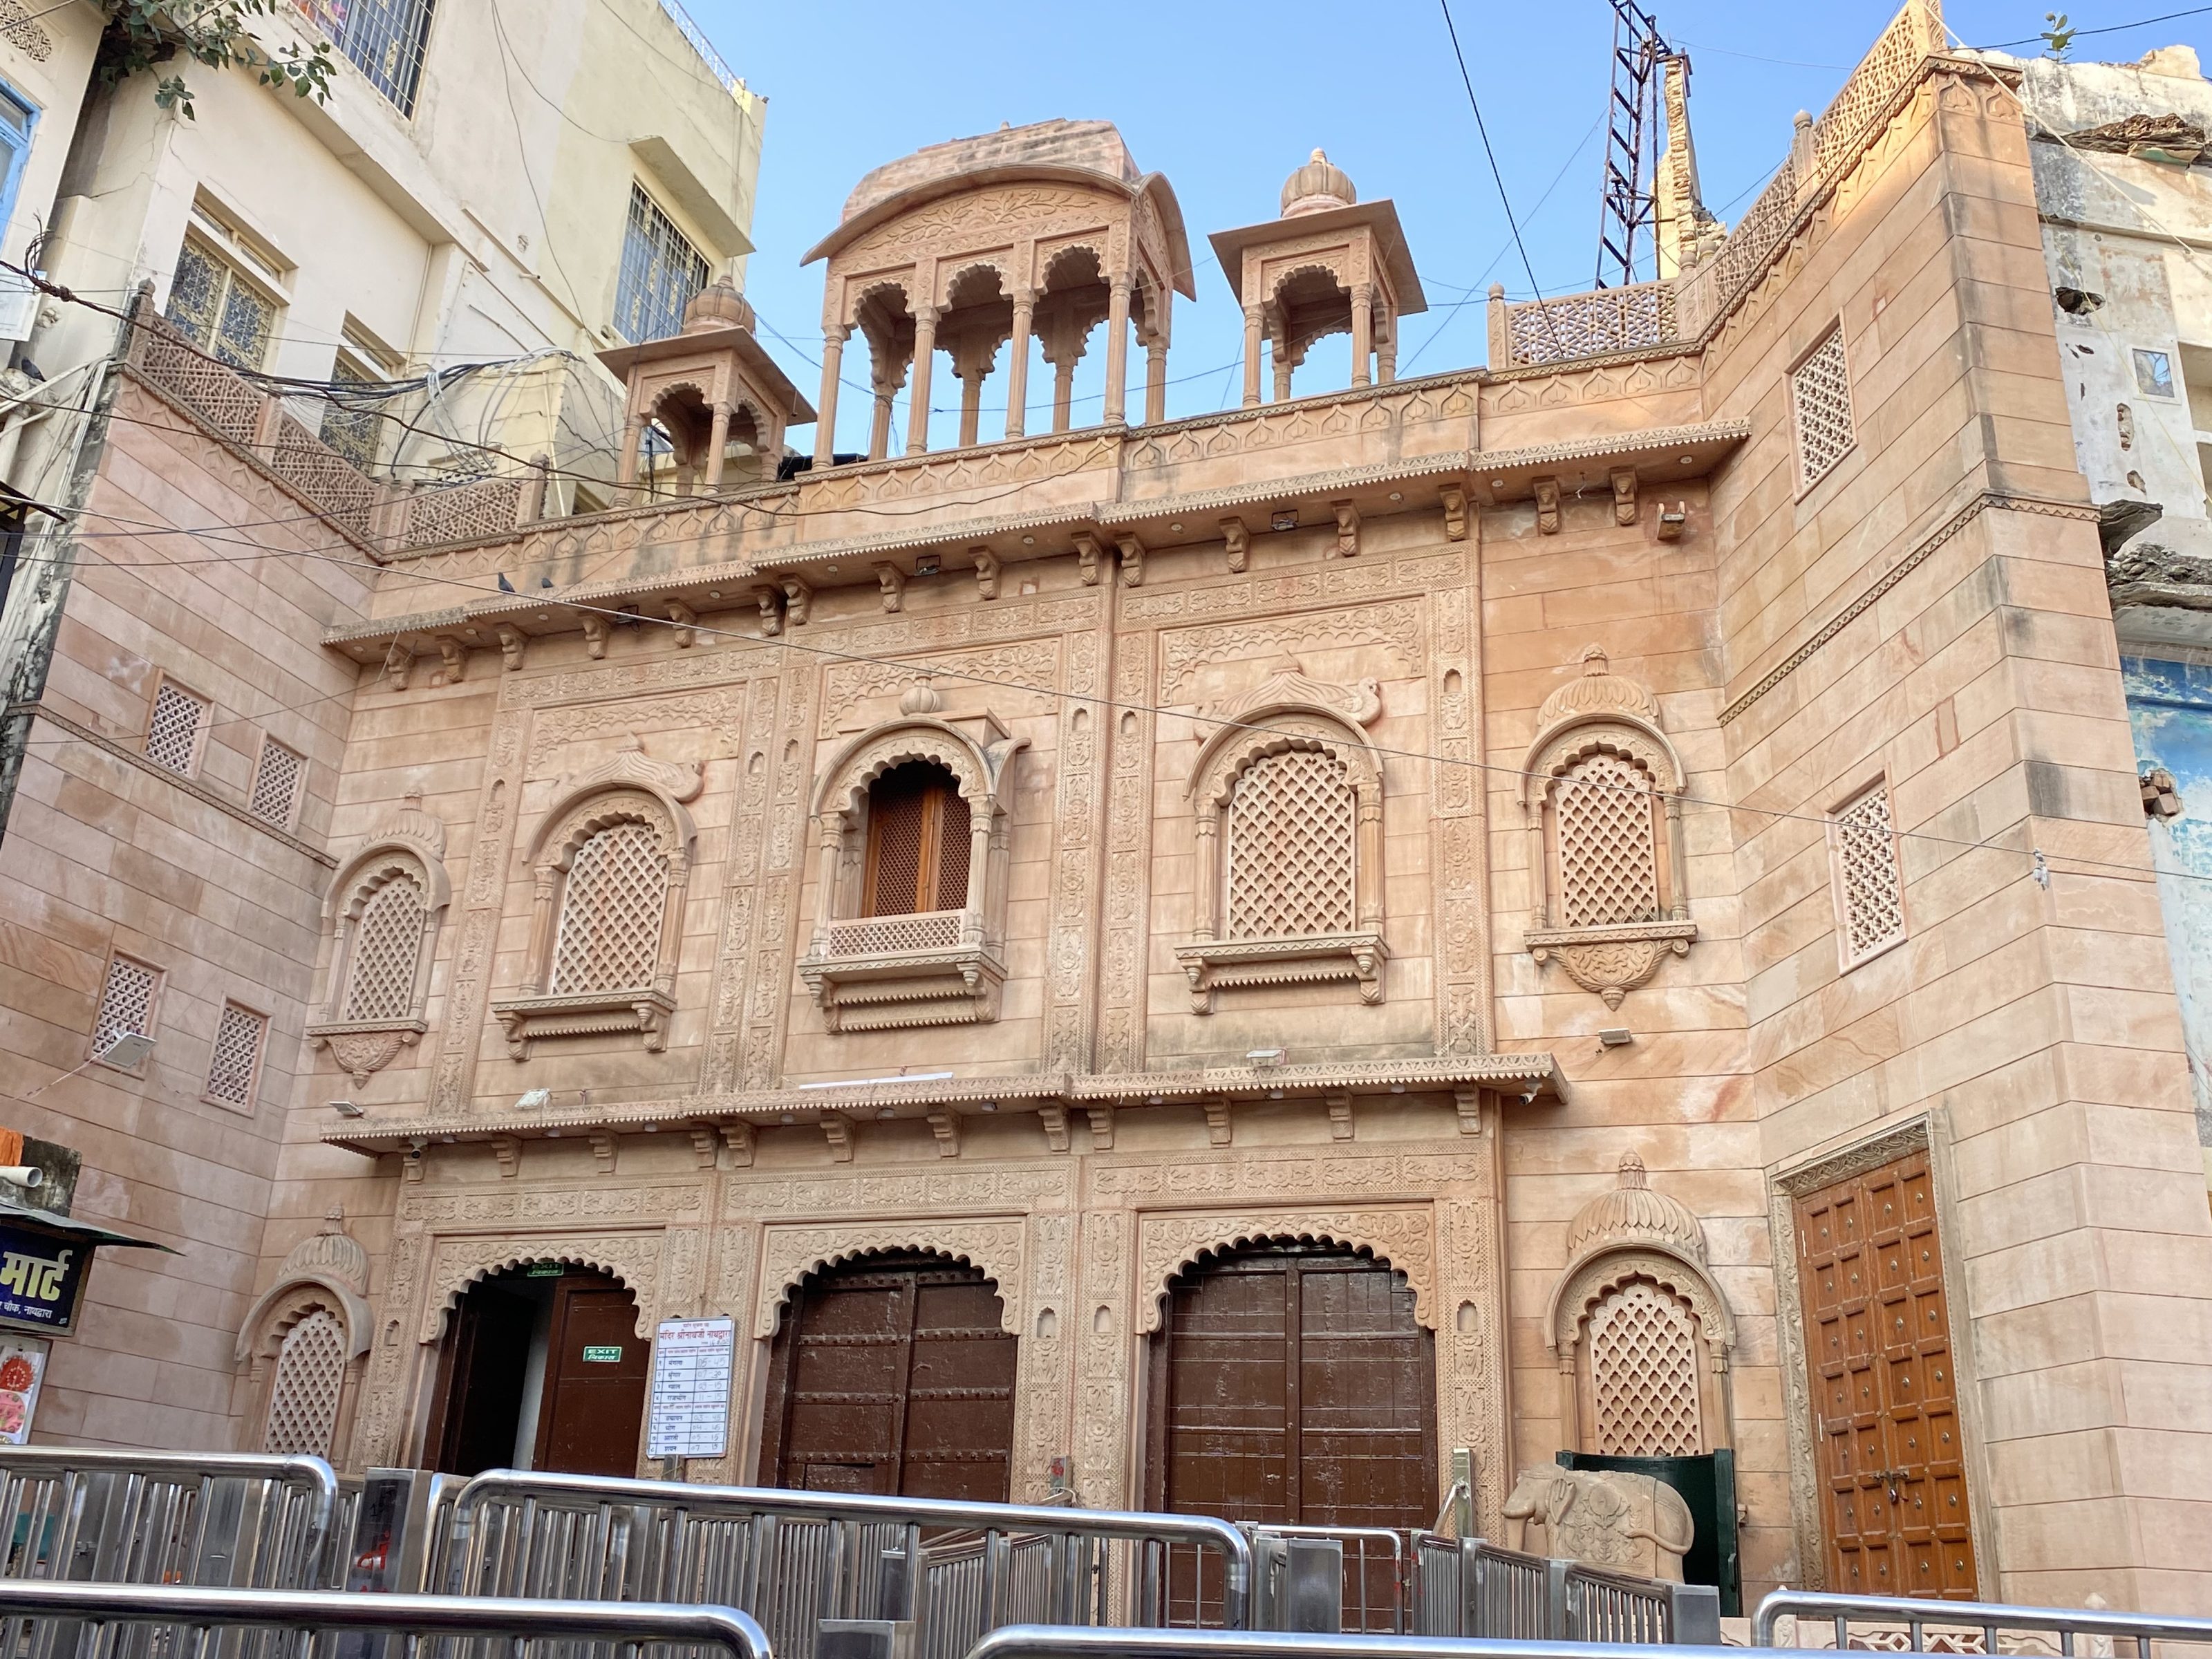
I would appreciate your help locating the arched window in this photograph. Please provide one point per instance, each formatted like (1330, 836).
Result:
(303, 1394)
(609, 869)
(384, 909)
(1286, 801)
(911, 893)
(1601, 793)
(918, 836)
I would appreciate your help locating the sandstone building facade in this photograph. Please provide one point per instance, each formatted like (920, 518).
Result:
(1599, 902)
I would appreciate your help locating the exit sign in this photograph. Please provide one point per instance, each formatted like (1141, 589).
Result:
(598, 1355)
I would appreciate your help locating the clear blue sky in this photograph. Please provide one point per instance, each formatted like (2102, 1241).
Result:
(1226, 96)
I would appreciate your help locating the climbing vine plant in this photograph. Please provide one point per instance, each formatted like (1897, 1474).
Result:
(152, 36)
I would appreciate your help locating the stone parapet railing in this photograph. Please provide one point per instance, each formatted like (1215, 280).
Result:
(1648, 315)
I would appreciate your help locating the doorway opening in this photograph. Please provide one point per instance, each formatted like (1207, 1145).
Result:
(893, 1374)
(542, 1368)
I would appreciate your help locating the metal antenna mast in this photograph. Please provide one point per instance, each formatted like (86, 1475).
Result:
(1628, 208)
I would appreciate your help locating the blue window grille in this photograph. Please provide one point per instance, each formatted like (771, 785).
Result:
(18, 117)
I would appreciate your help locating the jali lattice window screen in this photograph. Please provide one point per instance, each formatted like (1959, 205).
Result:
(172, 734)
(303, 1394)
(1293, 826)
(1870, 891)
(1643, 1374)
(1607, 830)
(917, 856)
(610, 911)
(275, 784)
(387, 948)
(1820, 399)
(126, 1002)
(236, 1061)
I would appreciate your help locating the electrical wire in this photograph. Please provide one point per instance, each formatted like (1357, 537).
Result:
(2109, 28)
(1475, 103)
(2073, 864)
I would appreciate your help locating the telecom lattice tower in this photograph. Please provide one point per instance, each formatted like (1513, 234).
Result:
(1636, 128)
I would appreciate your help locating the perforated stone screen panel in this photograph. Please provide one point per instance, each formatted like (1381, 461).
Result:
(237, 1058)
(1869, 892)
(1643, 1373)
(1821, 398)
(126, 1002)
(1608, 843)
(275, 784)
(387, 948)
(303, 1395)
(1292, 829)
(173, 733)
(610, 938)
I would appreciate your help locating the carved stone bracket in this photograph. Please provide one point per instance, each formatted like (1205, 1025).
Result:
(1168, 1243)
(524, 1019)
(1612, 961)
(364, 1047)
(788, 1254)
(1210, 964)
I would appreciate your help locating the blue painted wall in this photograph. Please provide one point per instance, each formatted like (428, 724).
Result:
(2170, 706)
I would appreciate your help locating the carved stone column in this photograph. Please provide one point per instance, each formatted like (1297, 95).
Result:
(925, 349)
(1369, 892)
(1386, 347)
(1363, 333)
(1156, 381)
(626, 464)
(980, 820)
(1017, 366)
(1253, 321)
(1117, 353)
(538, 971)
(832, 853)
(717, 440)
(1205, 920)
(826, 423)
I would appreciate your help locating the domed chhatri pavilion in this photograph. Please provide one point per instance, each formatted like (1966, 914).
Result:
(1597, 903)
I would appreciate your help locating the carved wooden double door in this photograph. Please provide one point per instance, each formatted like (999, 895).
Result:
(892, 1375)
(1890, 1456)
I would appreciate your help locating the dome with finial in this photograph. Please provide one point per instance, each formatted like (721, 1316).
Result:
(718, 305)
(1633, 1214)
(1316, 187)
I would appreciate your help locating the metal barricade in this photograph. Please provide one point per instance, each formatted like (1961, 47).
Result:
(793, 1559)
(1511, 1596)
(1376, 1589)
(149, 1517)
(1990, 1623)
(1611, 1606)
(45, 1620)
(1437, 1586)
(1045, 1642)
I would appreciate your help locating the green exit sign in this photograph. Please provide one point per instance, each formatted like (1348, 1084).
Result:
(596, 1355)
(544, 1270)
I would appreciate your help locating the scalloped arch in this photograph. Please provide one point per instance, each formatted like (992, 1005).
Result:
(1330, 268)
(1400, 1240)
(1565, 741)
(568, 826)
(1275, 729)
(1587, 1283)
(636, 1276)
(351, 876)
(874, 752)
(792, 1255)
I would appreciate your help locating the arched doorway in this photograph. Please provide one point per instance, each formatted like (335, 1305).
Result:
(542, 1368)
(1290, 1384)
(893, 1374)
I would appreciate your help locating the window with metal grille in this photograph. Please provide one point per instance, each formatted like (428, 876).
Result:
(661, 272)
(236, 1062)
(1869, 888)
(917, 857)
(215, 307)
(126, 1002)
(387, 953)
(174, 729)
(1606, 828)
(611, 912)
(1643, 1374)
(385, 39)
(1820, 400)
(303, 1393)
(277, 777)
(351, 422)
(1293, 826)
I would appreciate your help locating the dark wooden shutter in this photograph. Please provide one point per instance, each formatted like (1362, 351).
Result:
(892, 1375)
(950, 809)
(917, 842)
(1891, 1466)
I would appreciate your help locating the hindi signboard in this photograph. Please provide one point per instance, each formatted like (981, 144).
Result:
(689, 1410)
(41, 1277)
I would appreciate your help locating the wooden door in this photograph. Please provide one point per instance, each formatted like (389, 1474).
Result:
(597, 1367)
(1891, 1461)
(480, 1376)
(1293, 1385)
(892, 1375)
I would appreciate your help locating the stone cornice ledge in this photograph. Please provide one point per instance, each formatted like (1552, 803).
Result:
(1532, 1076)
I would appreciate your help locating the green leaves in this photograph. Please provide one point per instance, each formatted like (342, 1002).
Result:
(2058, 38)
(142, 35)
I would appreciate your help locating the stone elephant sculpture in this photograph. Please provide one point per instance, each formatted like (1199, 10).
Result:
(1629, 1523)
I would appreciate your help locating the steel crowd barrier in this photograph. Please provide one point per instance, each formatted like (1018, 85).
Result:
(1047, 1642)
(150, 1517)
(46, 1620)
(1376, 1588)
(793, 1559)
(1469, 1588)
(1991, 1621)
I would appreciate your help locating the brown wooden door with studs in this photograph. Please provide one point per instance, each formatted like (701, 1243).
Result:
(917, 842)
(1293, 1384)
(1891, 1465)
(892, 1375)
